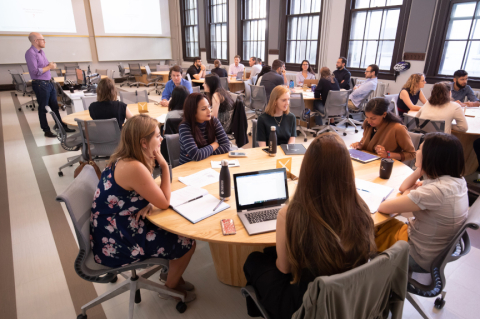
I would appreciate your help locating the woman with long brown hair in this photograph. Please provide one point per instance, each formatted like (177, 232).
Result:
(201, 134)
(327, 83)
(107, 106)
(411, 93)
(440, 107)
(126, 193)
(277, 113)
(220, 100)
(326, 229)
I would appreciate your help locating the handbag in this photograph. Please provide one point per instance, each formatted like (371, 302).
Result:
(79, 169)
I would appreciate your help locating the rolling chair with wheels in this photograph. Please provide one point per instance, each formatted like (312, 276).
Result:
(393, 98)
(78, 200)
(104, 136)
(297, 107)
(254, 133)
(135, 70)
(133, 97)
(22, 87)
(173, 147)
(151, 79)
(247, 100)
(258, 99)
(70, 143)
(125, 75)
(224, 82)
(195, 89)
(417, 139)
(335, 107)
(359, 115)
(459, 247)
(418, 125)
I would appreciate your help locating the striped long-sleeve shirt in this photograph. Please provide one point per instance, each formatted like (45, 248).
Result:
(189, 150)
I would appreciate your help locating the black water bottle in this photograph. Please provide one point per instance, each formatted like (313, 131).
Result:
(272, 142)
(225, 186)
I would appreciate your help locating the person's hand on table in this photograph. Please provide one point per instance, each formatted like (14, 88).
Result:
(381, 151)
(164, 102)
(356, 145)
(147, 210)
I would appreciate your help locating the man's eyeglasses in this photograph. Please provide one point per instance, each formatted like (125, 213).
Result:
(41, 40)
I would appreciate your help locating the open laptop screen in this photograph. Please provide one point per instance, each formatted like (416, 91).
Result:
(260, 189)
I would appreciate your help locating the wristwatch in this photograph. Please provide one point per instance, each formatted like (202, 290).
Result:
(388, 154)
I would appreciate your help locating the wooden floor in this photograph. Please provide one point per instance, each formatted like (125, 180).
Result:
(38, 247)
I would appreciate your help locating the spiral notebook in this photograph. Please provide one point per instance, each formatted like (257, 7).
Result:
(195, 204)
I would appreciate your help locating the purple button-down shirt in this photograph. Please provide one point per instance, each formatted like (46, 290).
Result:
(36, 61)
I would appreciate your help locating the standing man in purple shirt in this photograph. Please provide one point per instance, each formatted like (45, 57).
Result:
(39, 69)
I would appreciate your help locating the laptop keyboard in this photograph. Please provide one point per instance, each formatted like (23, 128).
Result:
(262, 216)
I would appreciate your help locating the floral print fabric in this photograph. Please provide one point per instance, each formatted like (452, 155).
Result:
(118, 239)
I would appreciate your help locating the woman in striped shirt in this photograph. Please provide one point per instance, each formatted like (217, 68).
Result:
(201, 134)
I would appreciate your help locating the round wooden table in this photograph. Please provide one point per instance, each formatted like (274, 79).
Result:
(230, 252)
(153, 110)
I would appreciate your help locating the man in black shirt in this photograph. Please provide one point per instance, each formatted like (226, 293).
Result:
(196, 71)
(341, 74)
(274, 78)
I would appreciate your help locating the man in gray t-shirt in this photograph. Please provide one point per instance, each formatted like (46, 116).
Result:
(274, 78)
(460, 90)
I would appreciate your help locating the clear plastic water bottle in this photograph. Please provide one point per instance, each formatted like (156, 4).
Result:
(272, 142)
(225, 183)
(292, 85)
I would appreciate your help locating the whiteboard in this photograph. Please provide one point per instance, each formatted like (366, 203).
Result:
(58, 49)
(135, 48)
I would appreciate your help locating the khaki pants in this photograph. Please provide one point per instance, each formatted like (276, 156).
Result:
(352, 106)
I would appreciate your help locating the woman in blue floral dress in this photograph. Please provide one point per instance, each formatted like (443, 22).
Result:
(119, 232)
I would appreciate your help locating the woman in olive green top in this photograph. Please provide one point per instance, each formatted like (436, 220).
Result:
(277, 113)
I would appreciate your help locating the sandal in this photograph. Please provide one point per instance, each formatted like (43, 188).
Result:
(187, 286)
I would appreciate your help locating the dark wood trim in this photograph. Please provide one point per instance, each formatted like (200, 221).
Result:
(283, 37)
(435, 48)
(203, 50)
(7, 87)
(274, 51)
(182, 16)
(414, 56)
(245, 59)
(399, 38)
(207, 32)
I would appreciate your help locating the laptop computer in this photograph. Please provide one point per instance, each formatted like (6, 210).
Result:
(239, 76)
(259, 196)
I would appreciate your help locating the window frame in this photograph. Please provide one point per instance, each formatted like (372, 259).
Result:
(207, 31)
(183, 21)
(398, 47)
(284, 15)
(436, 45)
(240, 6)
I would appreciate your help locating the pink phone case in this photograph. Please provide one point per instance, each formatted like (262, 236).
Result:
(228, 227)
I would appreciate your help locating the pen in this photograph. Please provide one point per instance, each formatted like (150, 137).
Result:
(194, 199)
(221, 201)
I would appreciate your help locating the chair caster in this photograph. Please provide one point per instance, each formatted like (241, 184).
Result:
(346, 124)
(138, 86)
(249, 133)
(344, 134)
(328, 130)
(60, 174)
(20, 109)
(181, 307)
(356, 131)
(138, 297)
(305, 139)
(439, 303)
(16, 94)
(82, 317)
(114, 280)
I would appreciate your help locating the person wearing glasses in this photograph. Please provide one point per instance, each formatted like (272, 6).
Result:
(411, 93)
(39, 69)
(196, 71)
(362, 90)
(306, 73)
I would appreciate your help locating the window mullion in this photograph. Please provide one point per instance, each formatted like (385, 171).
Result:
(468, 39)
(379, 34)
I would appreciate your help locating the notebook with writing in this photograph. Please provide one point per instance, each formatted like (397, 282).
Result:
(293, 149)
(195, 204)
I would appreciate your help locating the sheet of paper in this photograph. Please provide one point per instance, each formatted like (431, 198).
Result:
(203, 178)
(373, 194)
(185, 194)
(231, 163)
(161, 118)
(200, 209)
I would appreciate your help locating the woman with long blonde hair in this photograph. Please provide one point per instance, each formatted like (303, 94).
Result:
(326, 229)
(277, 113)
(126, 193)
(411, 93)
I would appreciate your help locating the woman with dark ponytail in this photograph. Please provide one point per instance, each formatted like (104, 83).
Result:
(384, 133)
